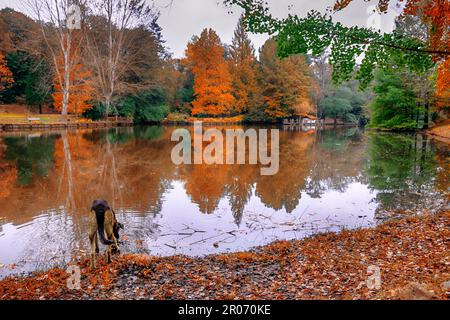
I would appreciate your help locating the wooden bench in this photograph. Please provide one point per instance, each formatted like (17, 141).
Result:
(34, 120)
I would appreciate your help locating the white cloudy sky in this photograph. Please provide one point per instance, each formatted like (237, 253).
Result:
(181, 19)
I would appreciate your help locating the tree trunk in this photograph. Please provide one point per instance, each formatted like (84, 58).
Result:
(65, 102)
(107, 108)
(66, 86)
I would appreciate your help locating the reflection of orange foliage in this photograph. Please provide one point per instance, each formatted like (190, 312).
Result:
(81, 150)
(206, 184)
(284, 189)
(6, 76)
(8, 177)
(145, 172)
(81, 89)
(212, 86)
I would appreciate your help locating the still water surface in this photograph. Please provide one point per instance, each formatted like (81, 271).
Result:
(328, 180)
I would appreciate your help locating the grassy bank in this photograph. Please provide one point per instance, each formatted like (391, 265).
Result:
(411, 254)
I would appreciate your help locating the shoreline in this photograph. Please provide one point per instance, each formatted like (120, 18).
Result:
(440, 132)
(411, 254)
(14, 127)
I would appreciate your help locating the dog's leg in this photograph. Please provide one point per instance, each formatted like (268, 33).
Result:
(92, 253)
(92, 237)
(97, 249)
(108, 254)
(116, 244)
(109, 230)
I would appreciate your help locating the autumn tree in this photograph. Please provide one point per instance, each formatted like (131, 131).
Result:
(55, 18)
(27, 58)
(6, 76)
(321, 69)
(18, 32)
(243, 70)
(433, 17)
(5, 39)
(123, 41)
(286, 83)
(213, 82)
(171, 79)
(317, 32)
(443, 85)
(81, 92)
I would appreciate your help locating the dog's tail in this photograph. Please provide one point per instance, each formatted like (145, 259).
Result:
(101, 229)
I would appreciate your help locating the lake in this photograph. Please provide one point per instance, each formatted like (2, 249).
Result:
(328, 180)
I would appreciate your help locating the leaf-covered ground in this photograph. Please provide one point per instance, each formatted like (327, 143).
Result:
(412, 254)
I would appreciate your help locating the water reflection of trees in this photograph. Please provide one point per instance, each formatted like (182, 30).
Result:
(31, 155)
(403, 170)
(338, 161)
(132, 168)
(284, 189)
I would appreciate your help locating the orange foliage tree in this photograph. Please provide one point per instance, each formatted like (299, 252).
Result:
(212, 84)
(287, 83)
(243, 70)
(81, 89)
(6, 76)
(443, 85)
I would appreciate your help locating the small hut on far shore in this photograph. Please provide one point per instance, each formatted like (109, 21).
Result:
(300, 119)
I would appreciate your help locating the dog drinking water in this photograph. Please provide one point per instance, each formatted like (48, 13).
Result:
(103, 225)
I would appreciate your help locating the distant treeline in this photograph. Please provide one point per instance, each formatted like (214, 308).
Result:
(111, 68)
